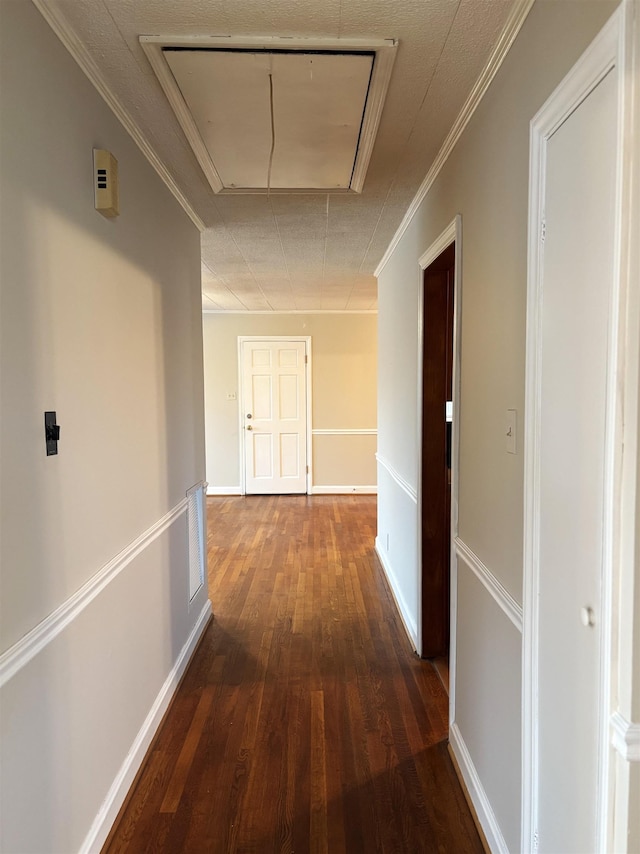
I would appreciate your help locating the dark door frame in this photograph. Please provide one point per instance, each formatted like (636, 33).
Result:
(452, 234)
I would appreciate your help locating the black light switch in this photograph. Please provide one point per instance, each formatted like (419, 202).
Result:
(51, 432)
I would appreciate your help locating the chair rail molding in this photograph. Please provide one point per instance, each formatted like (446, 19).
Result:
(625, 737)
(344, 431)
(500, 594)
(397, 477)
(21, 653)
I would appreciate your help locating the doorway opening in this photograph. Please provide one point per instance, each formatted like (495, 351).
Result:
(438, 306)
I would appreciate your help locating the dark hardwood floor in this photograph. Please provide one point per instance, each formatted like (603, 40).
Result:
(304, 722)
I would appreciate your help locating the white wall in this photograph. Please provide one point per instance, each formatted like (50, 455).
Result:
(343, 382)
(100, 322)
(486, 181)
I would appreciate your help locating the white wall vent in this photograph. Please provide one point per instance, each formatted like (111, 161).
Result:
(196, 516)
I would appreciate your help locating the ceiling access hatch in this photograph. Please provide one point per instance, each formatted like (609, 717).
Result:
(276, 115)
(318, 105)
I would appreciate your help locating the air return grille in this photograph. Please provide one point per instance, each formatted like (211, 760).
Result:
(197, 550)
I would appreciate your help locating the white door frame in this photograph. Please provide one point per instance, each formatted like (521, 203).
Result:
(611, 49)
(451, 234)
(307, 378)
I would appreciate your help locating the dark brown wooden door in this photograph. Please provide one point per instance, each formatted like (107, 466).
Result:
(436, 452)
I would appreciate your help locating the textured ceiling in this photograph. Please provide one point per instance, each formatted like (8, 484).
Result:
(310, 251)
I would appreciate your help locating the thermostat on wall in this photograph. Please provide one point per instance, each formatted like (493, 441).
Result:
(105, 177)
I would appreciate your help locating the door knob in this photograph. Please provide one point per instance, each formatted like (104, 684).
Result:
(249, 427)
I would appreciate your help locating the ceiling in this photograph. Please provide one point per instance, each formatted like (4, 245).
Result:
(303, 251)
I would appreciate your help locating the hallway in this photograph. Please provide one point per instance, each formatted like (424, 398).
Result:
(304, 722)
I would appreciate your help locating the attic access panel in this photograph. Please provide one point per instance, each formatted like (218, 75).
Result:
(326, 102)
(318, 106)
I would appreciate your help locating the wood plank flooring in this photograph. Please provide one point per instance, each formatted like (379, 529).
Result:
(304, 722)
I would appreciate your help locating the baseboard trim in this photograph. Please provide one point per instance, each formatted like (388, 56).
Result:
(21, 653)
(224, 490)
(344, 490)
(625, 737)
(404, 485)
(117, 794)
(502, 597)
(476, 793)
(408, 624)
(467, 797)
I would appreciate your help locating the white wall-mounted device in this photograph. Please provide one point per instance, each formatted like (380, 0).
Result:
(105, 182)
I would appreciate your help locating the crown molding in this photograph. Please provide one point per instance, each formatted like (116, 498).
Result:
(80, 54)
(513, 24)
(293, 311)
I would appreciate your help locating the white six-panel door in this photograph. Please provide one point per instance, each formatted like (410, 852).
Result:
(274, 416)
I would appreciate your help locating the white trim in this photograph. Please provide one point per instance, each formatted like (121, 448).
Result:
(179, 106)
(315, 490)
(266, 43)
(476, 792)
(625, 737)
(624, 638)
(347, 431)
(605, 53)
(309, 398)
(120, 787)
(438, 246)
(455, 456)
(223, 490)
(344, 490)
(378, 86)
(397, 477)
(80, 54)
(293, 311)
(202, 484)
(21, 653)
(384, 50)
(517, 16)
(451, 234)
(403, 609)
(453, 637)
(503, 598)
